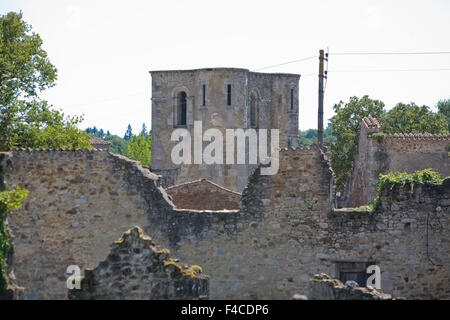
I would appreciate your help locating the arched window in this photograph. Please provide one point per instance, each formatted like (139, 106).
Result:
(181, 108)
(254, 110)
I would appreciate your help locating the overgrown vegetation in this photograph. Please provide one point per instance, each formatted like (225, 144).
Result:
(391, 180)
(403, 118)
(9, 200)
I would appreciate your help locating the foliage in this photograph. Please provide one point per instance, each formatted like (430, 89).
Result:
(144, 129)
(307, 137)
(139, 148)
(443, 107)
(136, 147)
(410, 118)
(345, 125)
(9, 200)
(391, 180)
(378, 135)
(365, 208)
(25, 71)
(36, 125)
(128, 133)
(118, 145)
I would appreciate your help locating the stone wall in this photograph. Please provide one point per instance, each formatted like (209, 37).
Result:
(136, 268)
(203, 195)
(78, 202)
(391, 152)
(323, 287)
(285, 231)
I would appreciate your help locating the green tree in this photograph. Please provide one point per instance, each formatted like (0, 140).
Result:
(144, 129)
(118, 145)
(410, 118)
(139, 148)
(307, 137)
(443, 107)
(25, 71)
(345, 125)
(128, 133)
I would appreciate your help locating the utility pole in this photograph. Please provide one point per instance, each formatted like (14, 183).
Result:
(320, 112)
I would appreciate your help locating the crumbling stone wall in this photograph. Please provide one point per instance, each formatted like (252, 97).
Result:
(391, 152)
(136, 268)
(204, 195)
(323, 287)
(79, 201)
(285, 232)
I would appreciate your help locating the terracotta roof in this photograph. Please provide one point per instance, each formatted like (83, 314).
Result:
(97, 141)
(371, 123)
(202, 181)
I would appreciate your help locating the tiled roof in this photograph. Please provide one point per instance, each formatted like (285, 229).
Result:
(371, 123)
(202, 181)
(97, 141)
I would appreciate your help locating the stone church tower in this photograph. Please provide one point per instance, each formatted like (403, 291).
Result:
(222, 98)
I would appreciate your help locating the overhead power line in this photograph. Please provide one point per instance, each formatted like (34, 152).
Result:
(356, 54)
(392, 70)
(387, 53)
(288, 62)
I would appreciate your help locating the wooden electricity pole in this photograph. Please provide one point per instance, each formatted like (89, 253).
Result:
(320, 111)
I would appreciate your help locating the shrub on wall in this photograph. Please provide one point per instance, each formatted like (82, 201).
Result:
(391, 180)
(9, 200)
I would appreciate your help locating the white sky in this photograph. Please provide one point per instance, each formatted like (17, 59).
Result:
(104, 49)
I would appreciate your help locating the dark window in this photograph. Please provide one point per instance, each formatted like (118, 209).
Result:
(253, 110)
(229, 94)
(204, 95)
(292, 99)
(356, 271)
(182, 109)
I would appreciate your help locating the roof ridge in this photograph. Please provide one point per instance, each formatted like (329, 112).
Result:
(202, 180)
(97, 140)
(419, 136)
(371, 123)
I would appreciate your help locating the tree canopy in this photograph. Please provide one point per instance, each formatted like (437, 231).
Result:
(410, 118)
(403, 118)
(443, 107)
(139, 148)
(25, 71)
(128, 133)
(345, 125)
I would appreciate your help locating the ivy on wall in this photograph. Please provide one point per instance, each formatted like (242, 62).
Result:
(9, 200)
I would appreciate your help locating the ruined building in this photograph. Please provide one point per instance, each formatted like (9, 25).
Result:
(380, 153)
(221, 98)
(285, 231)
(264, 243)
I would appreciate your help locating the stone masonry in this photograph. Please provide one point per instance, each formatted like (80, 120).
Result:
(273, 95)
(285, 231)
(323, 287)
(136, 268)
(391, 152)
